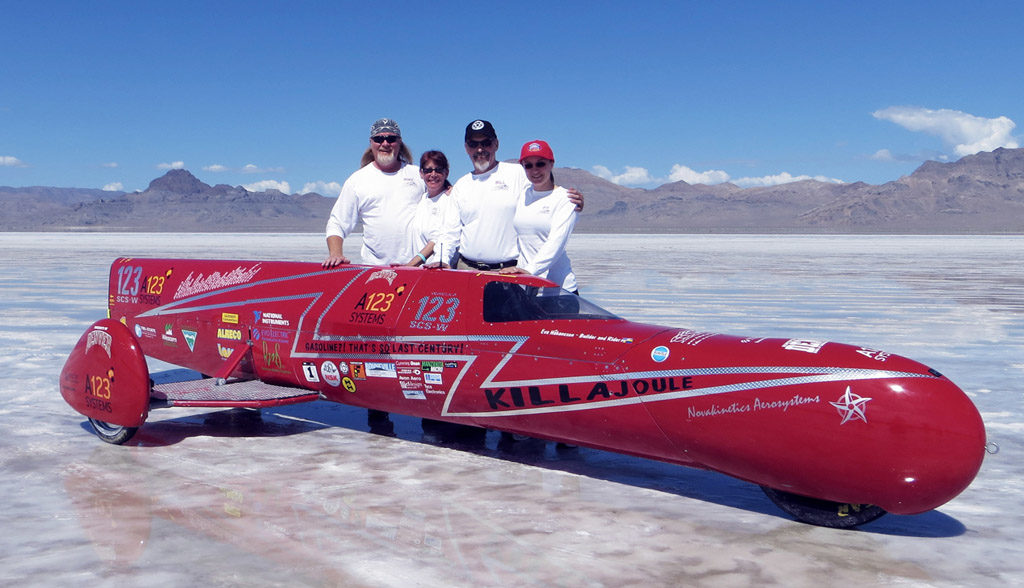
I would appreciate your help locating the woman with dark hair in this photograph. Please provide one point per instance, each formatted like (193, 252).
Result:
(427, 226)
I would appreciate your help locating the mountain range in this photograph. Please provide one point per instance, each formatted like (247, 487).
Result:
(980, 193)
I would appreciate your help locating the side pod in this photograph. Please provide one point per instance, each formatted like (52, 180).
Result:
(106, 378)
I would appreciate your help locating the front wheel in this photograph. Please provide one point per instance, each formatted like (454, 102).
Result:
(824, 513)
(111, 433)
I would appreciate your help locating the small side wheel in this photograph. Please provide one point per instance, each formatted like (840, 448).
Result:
(112, 433)
(824, 513)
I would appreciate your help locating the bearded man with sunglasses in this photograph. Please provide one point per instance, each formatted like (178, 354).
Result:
(484, 204)
(383, 194)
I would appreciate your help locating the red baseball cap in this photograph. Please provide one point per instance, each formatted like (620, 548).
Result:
(536, 148)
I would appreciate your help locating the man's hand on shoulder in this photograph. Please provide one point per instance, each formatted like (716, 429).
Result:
(576, 197)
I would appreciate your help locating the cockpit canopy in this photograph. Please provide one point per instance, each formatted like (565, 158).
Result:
(509, 301)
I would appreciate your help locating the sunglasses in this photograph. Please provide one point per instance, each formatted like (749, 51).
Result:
(539, 165)
(386, 138)
(430, 170)
(474, 144)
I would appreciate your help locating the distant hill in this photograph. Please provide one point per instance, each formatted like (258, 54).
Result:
(981, 193)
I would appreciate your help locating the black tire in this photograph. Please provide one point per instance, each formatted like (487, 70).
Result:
(111, 433)
(824, 513)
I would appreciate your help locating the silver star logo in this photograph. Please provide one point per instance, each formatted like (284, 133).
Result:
(851, 407)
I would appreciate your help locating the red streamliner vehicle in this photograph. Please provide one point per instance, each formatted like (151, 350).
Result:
(835, 434)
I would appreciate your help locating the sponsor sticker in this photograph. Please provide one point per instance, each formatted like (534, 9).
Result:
(330, 373)
(659, 353)
(805, 345)
(190, 338)
(309, 370)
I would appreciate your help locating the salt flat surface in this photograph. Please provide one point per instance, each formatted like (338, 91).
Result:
(308, 496)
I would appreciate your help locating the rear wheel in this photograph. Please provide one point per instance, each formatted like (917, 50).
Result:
(112, 433)
(824, 513)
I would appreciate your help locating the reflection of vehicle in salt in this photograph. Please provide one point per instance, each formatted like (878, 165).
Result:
(835, 434)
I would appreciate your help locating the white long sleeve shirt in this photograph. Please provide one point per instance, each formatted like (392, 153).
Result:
(543, 222)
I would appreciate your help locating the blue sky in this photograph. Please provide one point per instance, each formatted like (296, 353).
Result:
(282, 94)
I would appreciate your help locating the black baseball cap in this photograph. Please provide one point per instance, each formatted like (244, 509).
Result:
(480, 127)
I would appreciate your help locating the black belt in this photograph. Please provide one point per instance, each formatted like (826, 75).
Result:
(488, 267)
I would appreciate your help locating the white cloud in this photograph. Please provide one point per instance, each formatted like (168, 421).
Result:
(682, 173)
(251, 168)
(640, 176)
(883, 155)
(966, 133)
(268, 185)
(781, 178)
(322, 188)
(215, 168)
(632, 176)
(172, 165)
(11, 161)
(114, 187)
(111, 164)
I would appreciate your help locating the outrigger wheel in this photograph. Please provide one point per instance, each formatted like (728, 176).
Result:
(824, 513)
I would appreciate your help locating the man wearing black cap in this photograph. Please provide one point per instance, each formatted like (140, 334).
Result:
(484, 202)
(383, 194)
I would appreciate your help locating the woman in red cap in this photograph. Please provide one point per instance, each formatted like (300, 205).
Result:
(544, 220)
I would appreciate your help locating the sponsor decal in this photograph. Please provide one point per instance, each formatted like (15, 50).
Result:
(367, 318)
(330, 373)
(432, 378)
(309, 370)
(851, 407)
(414, 394)
(269, 318)
(224, 352)
(343, 368)
(229, 334)
(358, 370)
(805, 345)
(380, 370)
(190, 339)
(270, 334)
(229, 317)
(348, 384)
(874, 354)
(432, 366)
(451, 364)
(197, 284)
(748, 407)
(659, 353)
(101, 338)
(272, 357)
(97, 390)
(384, 274)
(143, 331)
(168, 336)
(688, 337)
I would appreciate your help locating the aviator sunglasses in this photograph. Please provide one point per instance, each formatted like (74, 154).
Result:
(539, 165)
(430, 170)
(474, 144)
(385, 138)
